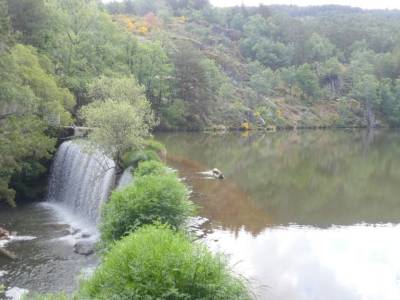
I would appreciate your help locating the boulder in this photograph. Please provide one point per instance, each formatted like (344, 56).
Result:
(4, 234)
(84, 248)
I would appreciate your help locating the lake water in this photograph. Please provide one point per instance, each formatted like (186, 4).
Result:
(303, 215)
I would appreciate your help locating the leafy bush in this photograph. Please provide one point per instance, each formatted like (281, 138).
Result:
(133, 158)
(154, 145)
(151, 198)
(152, 151)
(151, 167)
(156, 262)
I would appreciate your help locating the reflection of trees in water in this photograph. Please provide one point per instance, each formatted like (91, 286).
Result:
(306, 177)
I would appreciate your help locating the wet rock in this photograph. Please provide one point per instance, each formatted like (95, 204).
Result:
(75, 231)
(4, 234)
(85, 235)
(84, 248)
(65, 232)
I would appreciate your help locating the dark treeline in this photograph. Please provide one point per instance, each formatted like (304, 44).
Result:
(199, 66)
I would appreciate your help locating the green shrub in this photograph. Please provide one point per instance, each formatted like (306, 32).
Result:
(156, 262)
(151, 167)
(154, 145)
(133, 158)
(151, 198)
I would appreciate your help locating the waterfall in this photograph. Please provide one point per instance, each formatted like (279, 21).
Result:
(81, 182)
(126, 179)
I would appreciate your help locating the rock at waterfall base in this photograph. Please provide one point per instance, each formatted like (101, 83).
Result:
(84, 248)
(4, 234)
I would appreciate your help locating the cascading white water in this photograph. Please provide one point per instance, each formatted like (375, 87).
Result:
(80, 181)
(126, 179)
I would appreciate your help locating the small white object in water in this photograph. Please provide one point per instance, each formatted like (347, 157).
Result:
(214, 174)
(16, 293)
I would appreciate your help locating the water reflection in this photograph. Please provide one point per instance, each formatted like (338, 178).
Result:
(304, 263)
(314, 178)
(306, 215)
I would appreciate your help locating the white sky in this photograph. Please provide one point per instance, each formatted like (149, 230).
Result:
(369, 4)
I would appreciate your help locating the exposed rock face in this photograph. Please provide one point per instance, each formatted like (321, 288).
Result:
(84, 248)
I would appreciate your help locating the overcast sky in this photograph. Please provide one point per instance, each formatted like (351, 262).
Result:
(370, 4)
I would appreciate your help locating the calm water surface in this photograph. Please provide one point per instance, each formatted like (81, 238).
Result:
(304, 215)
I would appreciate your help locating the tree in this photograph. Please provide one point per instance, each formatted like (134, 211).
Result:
(117, 88)
(31, 102)
(52, 102)
(365, 89)
(32, 20)
(197, 81)
(23, 145)
(273, 54)
(263, 82)
(389, 94)
(319, 48)
(85, 44)
(332, 75)
(288, 77)
(307, 80)
(151, 66)
(4, 26)
(117, 126)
